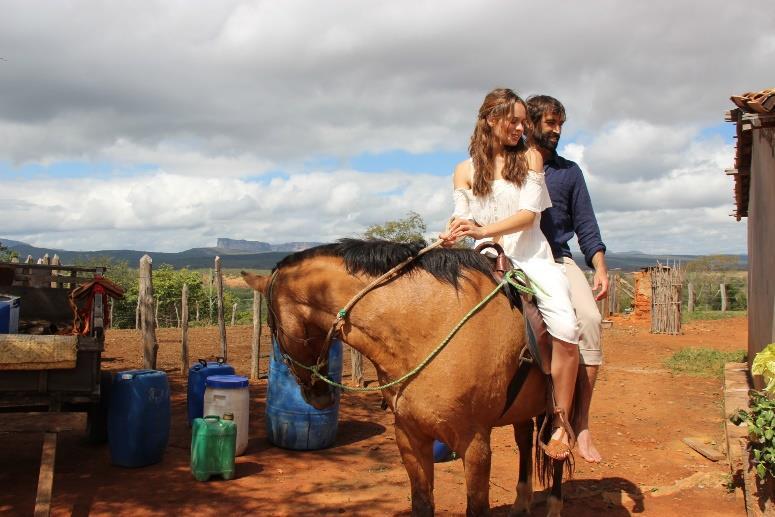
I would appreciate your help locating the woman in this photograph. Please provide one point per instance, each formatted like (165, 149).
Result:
(499, 195)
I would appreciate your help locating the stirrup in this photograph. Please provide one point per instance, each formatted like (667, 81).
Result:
(556, 449)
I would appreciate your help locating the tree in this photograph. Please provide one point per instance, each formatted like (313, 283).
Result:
(6, 255)
(409, 229)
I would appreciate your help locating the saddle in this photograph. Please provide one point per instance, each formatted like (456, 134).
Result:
(539, 341)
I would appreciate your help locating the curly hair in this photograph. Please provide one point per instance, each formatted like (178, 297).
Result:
(498, 104)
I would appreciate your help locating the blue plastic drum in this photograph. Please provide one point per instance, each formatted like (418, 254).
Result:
(291, 423)
(138, 418)
(197, 376)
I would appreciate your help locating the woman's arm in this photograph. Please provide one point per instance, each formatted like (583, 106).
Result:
(522, 220)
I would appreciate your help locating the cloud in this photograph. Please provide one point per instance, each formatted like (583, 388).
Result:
(224, 104)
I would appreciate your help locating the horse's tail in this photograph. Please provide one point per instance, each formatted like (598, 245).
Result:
(544, 465)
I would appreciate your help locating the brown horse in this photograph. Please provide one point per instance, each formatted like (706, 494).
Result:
(459, 396)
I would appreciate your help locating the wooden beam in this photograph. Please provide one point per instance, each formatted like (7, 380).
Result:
(46, 476)
(42, 422)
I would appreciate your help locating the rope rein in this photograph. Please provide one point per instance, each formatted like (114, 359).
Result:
(512, 277)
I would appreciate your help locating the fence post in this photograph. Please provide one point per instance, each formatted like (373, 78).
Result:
(255, 343)
(184, 331)
(690, 301)
(150, 345)
(221, 321)
(233, 313)
(723, 289)
(137, 314)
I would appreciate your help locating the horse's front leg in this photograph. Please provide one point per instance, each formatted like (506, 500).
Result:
(554, 501)
(417, 454)
(476, 461)
(523, 434)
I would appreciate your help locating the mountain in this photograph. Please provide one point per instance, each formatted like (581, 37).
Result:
(239, 245)
(237, 254)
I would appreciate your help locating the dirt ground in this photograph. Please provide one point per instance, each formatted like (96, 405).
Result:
(640, 413)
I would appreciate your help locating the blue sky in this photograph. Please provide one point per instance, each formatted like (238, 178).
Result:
(226, 119)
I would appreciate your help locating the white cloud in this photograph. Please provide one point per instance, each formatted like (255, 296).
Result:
(212, 94)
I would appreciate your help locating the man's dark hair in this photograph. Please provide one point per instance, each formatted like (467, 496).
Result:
(537, 105)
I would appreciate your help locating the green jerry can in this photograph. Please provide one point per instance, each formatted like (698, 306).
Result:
(213, 444)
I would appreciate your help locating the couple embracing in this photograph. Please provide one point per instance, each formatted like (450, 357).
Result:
(517, 191)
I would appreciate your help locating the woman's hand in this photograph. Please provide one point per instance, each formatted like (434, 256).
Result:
(466, 228)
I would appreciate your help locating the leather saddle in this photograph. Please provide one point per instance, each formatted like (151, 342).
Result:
(539, 341)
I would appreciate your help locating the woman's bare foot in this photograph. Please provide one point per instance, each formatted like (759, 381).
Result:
(587, 449)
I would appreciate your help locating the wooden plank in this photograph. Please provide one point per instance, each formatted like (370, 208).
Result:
(46, 476)
(27, 352)
(42, 422)
(709, 452)
(52, 267)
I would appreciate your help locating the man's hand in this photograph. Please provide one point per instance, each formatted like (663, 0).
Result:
(600, 279)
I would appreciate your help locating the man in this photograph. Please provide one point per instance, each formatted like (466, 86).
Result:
(571, 213)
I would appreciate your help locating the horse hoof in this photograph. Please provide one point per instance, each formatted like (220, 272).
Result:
(553, 507)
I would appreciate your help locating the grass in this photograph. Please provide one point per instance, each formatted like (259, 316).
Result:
(702, 362)
(710, 315)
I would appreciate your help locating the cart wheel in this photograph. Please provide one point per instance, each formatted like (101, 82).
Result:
(97, 416)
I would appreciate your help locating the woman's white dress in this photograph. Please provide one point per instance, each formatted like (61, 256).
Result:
(528, 249)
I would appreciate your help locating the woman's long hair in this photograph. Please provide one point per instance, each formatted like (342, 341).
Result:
(498, 104)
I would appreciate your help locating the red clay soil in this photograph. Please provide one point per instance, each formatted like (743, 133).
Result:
(640, 413)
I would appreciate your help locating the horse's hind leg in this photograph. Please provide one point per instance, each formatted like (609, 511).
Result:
(476, 462)
(417, 455)
(554, 501)
(523, 433)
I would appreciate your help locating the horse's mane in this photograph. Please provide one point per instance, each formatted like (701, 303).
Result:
(375, 257)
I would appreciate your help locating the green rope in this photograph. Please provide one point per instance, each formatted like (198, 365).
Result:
(507, 279)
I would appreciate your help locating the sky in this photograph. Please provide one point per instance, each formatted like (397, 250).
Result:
(162, 126)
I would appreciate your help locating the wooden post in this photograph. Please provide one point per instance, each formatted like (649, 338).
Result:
(150, 345)
(55, 274)
(221, 321)
(197, 310)
(255, 343)
(690, 296)
(210, 296)
(356, 358)
(184, 331)
(137, 314)
(110, 318)
(177, 315)
(156, 312)
(723, 289)
(46, 476)
(233, 313)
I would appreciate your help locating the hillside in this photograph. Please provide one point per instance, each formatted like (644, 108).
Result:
(238, 258)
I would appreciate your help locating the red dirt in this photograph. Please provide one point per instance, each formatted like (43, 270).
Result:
(640, 413)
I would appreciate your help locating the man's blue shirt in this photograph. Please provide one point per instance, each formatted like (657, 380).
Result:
(571, 212)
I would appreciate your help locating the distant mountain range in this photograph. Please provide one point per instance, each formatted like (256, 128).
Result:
(262, 255)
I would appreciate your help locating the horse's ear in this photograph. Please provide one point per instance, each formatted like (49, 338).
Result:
(257, 282)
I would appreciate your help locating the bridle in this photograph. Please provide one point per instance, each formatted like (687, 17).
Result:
(336, 326)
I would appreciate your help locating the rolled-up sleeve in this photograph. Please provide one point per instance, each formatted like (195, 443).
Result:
(534, 195)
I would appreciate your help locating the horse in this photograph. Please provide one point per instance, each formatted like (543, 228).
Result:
(459, 396)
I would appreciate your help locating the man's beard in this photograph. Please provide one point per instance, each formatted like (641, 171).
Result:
(547, 141)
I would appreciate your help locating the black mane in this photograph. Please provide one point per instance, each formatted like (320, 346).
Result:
(375, 257)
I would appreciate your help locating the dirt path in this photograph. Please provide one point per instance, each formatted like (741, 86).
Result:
(641, 412)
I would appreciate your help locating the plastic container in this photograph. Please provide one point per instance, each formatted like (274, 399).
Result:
(138, 417)
(213, 446)
(291, 423)
(197, 375)
(230, 394)
(442, 452)
(9, 314)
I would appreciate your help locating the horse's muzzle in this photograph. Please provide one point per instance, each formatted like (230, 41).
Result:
(319, 396)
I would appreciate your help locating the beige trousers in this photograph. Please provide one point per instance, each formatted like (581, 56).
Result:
(590, 350)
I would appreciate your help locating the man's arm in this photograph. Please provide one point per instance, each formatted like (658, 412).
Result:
(588, 234)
